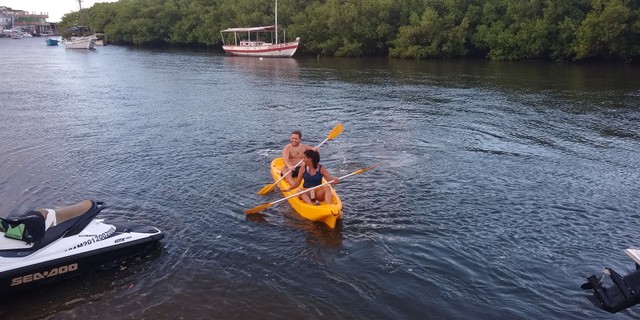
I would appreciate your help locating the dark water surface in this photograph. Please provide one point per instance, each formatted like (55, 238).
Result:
(501, 185)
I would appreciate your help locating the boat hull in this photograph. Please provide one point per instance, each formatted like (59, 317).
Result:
(76, 244)
(329, 214)
(52, 42)
(280, 50)
(80, 42)
(64, 268)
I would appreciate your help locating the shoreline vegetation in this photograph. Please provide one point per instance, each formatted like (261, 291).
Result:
(497, 30)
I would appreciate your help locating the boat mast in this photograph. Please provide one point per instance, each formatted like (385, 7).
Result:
(276, 21)
(78, 15)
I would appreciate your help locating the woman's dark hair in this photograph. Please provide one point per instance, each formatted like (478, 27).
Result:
(314, 156)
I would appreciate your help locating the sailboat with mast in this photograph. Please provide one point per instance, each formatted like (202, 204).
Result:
(80, 41)
(258, 41)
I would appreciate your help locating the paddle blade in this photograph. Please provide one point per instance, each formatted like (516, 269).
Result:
(365, 169)
(335, 132)
(259, 208)
(266, 189)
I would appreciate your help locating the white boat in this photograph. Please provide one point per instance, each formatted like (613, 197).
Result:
(87, 42)
(82, 41)
(16, 34)
(259, 41)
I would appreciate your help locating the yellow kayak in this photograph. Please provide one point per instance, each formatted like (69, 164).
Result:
(327, 213)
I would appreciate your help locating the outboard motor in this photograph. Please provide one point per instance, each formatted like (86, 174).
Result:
(624, 292)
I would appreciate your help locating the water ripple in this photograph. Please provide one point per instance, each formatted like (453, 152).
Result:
(498, 187)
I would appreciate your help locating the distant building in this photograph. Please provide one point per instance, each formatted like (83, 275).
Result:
(6, 18)
(28, 22)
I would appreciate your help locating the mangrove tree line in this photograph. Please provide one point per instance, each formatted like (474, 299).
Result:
(572, 30)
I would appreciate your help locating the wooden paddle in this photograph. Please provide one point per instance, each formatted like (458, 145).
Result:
(332, 135)
(269, 204)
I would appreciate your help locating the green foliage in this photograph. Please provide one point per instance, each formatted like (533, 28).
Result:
(513, 30)
(416, 29)
(563, 19)
(349, 28)
(195, 25)
(607, 31)
(442, 31)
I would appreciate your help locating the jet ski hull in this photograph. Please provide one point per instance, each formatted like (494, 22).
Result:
(95, 246)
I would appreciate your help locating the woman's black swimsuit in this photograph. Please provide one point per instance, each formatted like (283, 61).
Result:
(311, 181)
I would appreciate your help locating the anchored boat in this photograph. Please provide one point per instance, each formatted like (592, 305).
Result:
(80, 40)
(258, 41)
(327, 213)
(51, 42)
(85, 42)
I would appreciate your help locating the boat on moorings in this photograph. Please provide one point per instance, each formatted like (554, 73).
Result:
(250, 42)
(52, 42)
(252, 46)
(79, 39)
(86, 42)
(16, 34)
(326, 213)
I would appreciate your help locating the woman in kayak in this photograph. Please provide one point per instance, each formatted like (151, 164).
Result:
(312, 175)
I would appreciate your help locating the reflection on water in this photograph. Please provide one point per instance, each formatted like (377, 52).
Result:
(273, 68)
(317, 232)
(112, 277)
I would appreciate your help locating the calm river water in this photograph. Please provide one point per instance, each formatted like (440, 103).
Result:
(500, 186)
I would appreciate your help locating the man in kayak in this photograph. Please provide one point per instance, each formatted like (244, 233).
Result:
(292, 155)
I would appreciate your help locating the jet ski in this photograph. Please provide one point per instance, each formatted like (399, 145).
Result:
(47, 245)
(616, 292)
